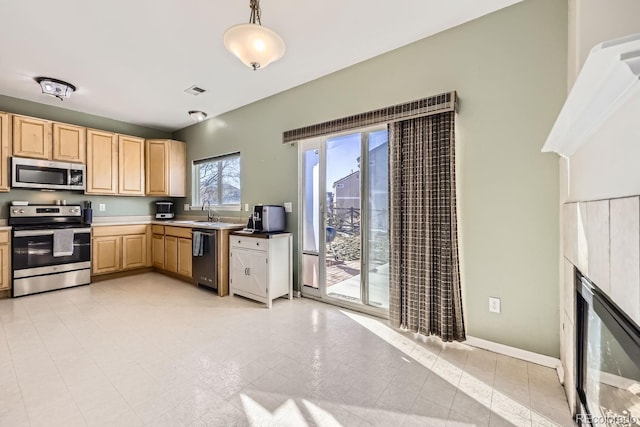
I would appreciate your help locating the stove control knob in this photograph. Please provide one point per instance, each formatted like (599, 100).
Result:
(74, 210)
(21, 210)
(14, 211)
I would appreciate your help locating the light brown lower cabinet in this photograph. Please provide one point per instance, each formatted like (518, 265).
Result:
(106, 254)
(134, 251)
(171, 254)
(171, 249)
(168, 248)
(185, 251)
(5, 261)
(157, 251)
(120, 248)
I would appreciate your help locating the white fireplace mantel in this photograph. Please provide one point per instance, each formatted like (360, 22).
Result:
(609, 78)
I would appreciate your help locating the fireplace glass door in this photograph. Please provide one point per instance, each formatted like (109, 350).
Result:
(608, 356)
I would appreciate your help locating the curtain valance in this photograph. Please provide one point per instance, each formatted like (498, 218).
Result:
(419, 108)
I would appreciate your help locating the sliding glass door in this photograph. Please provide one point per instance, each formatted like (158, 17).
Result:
(345, 218)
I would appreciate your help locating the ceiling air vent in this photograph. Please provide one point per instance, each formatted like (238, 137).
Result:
(195, 90)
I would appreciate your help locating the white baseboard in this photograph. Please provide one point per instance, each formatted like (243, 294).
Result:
(618, 382)
(518, 353)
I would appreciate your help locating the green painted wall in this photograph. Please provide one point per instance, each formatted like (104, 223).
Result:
(509, 69)
(115, 205)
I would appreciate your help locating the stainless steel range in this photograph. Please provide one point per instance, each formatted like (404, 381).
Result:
(51, 248)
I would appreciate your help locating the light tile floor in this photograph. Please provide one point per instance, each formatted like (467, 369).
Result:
(149, 350)
(342, 285)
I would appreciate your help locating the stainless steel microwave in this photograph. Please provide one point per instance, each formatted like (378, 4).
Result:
(47, 174)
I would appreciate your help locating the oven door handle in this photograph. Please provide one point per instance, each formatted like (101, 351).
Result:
(49, 232)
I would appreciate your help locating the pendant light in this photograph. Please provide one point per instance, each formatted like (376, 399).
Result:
(256, 46)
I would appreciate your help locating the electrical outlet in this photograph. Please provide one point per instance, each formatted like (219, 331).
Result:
(494, 305)
(186, 206)
(102, 207)
(288, 207)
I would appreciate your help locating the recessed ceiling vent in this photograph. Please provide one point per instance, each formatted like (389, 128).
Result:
(195, 90)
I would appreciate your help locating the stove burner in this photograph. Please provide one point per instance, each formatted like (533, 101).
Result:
(38, 215)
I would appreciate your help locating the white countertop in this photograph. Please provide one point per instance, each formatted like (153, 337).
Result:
(112, 223)
(148, 219)
(200, 224)
(99, 221)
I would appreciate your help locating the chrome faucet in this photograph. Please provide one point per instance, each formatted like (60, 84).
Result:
(209, 215)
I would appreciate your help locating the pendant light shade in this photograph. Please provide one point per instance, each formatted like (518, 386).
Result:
(256, 46)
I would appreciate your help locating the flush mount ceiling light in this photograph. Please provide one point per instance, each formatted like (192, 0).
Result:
(54, 87)
(197, 116)
(256, 46)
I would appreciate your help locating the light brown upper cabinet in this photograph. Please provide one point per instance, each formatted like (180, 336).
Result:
(166, 168)
(43, 139)
(69, 143)
(115, 164)
(102, 162)
(5, 151)
(32, 137)
(130, 165)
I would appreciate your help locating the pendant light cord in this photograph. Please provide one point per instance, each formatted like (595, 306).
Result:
(255, 12)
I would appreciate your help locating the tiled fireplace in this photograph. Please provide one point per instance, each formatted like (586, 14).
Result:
(601, 304)
(607, 360)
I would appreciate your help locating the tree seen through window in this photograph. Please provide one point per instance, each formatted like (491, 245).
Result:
(218, 181)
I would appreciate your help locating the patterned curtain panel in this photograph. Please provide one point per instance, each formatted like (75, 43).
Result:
(425, 293)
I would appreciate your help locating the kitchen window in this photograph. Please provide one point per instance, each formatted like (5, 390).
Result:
(216, 180)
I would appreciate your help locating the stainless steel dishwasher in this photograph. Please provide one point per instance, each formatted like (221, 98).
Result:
(205, 262)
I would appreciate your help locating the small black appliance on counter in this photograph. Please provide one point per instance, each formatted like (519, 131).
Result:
(164, 210)
(267, 218)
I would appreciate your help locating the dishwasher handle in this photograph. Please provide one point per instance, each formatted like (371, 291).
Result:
(209, 242)
(206, 234)
(204, 231)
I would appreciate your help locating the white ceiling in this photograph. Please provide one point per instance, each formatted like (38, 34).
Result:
(132, 59)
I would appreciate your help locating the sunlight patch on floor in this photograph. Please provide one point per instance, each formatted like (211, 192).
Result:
(289, 413)
(286, 414)
(497, 402)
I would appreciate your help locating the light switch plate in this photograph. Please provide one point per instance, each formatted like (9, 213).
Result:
(102, 207)
(288, 207)
(186, 206)
(494, 305)
(246, 207)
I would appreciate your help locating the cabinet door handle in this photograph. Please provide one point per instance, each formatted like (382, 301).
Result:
(245, 271)
(249, 271)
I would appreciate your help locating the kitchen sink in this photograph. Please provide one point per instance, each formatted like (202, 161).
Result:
(205, 223)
